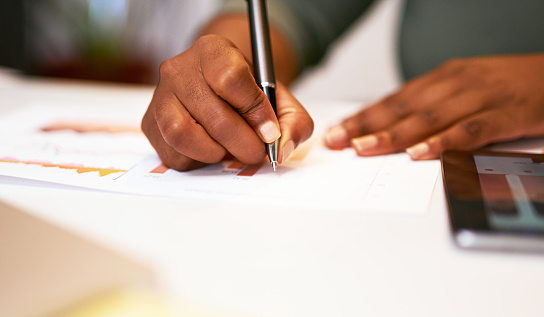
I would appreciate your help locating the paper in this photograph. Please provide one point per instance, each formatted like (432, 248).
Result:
(82, 147)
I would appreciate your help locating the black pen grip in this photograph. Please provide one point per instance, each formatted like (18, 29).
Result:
(270, 93)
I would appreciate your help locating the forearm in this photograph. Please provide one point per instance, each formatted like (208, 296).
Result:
(235, 27)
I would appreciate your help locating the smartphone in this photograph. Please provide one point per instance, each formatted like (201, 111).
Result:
(495, 199)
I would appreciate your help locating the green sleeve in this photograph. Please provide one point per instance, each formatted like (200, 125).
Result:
(310, 25)
(434, 31)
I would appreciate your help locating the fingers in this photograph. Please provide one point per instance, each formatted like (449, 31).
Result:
(295, 122)
(193, 119)
(463, 104)
(168, 155)
(233, 81)
(207, 105)
(468, 134)
(222, 123)
(230, 77)
(179, 131)
(418, 126)
(414, 96)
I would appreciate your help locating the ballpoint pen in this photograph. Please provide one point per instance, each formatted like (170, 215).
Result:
(262, 61)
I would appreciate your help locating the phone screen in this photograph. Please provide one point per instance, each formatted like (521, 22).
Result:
(495, 199)
(513, 192)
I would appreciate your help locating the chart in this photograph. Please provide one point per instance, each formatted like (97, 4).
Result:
(55, 143)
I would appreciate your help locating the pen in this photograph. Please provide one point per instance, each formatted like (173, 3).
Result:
(262, 62)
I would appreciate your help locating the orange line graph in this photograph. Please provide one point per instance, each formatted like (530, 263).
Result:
(78, 169)
(89, 127)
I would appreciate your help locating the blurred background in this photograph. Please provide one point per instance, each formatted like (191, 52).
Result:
(111, 40)
(126, 40)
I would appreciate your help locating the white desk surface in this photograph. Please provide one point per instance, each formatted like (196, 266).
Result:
(281, 262)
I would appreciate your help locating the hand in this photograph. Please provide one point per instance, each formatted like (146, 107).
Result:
(464, 104)
(207, 104)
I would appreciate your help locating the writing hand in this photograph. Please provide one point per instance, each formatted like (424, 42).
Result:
(207, 104)
(464, 104)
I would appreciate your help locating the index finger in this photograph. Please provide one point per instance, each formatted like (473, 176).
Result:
(229, 76)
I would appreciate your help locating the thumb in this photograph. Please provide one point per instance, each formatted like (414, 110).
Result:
(295, 123)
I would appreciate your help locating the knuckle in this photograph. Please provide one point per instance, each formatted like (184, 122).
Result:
(215, 47)
(399, 109)
(473, 128)
(230, 77)
(429, 117)
(167, 68)
(210, 41)
(173, 133)
(477, 76)
(206, 40)
(396, 105)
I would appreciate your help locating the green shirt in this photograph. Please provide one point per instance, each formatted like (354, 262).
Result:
(431, 32)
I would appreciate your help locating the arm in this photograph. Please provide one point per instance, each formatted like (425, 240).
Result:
(308, 27)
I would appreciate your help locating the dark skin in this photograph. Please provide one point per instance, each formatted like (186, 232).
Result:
(464, 104)
(207, 105)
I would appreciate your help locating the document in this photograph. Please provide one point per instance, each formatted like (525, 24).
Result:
(79, 146)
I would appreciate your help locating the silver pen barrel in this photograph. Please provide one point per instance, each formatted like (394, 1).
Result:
(260, 43)
(262, 61)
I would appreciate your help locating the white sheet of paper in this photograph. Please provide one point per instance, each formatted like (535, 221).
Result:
(82, 147)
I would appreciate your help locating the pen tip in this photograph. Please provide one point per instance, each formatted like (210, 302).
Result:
(274, 166)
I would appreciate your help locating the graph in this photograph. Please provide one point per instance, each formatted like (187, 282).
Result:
(78, 169)
(57, 144)
(160, 169)
(89, 127)
(68, 146)
(229, 166)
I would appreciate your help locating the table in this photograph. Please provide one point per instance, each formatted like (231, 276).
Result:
(287, 262)
(284, 262)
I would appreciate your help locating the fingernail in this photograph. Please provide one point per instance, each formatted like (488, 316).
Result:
(418, 150)
(365, 143)
(287, 150)
(269, 131)
(336, 134)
